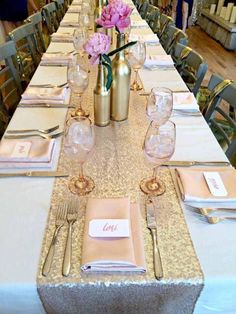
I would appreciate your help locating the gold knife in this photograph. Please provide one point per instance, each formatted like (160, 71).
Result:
(42, 105)
(174, 91)
(178, 163)
(35, 174)
(151, 223)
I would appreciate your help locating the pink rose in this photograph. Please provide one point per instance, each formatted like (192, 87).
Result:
(117, 14)
(97, 45)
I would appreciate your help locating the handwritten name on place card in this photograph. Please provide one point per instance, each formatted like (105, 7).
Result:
(21, 150)
(215, 183)
(109, 228)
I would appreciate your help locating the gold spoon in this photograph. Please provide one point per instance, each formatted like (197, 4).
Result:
(215, 220)
(207, 211)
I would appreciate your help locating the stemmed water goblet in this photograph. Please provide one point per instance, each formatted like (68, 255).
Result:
(136, 57)
(85, 20)
(159, 146)
(78, 145)
(78, 80)
(159, 105)
(80, 37)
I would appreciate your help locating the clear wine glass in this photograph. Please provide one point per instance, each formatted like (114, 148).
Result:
(136, 57)
(78, 145)
(85, 20)
(79, 39)
(78, 80)
(159, 146)
(159, 105)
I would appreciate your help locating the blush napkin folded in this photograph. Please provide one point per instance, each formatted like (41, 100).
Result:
(184, 101)
(76, 2)
(70, 24)
(62, 37)
(158, 60)
(34, 95)
(38, 153)
(74, 9)
(139, 23)
(56, 58)
(147, 38)
(113, 254)
(193, 186)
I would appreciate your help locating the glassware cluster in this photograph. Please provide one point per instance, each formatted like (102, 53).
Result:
(159, 143)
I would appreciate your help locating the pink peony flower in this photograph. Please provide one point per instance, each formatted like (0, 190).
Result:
(117, 14)
(97, 44)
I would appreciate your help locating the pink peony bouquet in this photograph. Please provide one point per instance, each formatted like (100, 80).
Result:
(115, 14)
(96, 46)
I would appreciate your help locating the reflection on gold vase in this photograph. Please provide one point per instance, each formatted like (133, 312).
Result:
(99, 4)
(120, 89)
(101, 99)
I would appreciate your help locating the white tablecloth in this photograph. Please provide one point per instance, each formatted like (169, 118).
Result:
(25, 204)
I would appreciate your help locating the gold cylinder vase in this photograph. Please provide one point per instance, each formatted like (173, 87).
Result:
(101, 99)
(120, 89)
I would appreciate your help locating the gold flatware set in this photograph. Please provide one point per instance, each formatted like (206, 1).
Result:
(215, 219)
(28, 133)
(43, 105)
(31, 174)
(181, 163)
(66, 214)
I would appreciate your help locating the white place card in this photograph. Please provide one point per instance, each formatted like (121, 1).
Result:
(21, 150)
(109, 228)
(215, 183)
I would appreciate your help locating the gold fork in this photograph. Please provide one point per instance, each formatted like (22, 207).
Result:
(60, 220)
(72, 215)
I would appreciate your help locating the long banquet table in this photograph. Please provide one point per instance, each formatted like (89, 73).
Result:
(25, 203)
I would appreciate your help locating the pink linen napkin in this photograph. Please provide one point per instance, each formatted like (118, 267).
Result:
(147, 38)
(76, 2)
(185, 100)
(62, 37)
(34, 95)
(26, 153)
(113, 254)
(139, 23)
(159, 60)
(69, 23)
(56, 58)
(74, 9)
(193, 186)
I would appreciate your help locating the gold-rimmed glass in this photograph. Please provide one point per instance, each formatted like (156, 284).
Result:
(78, 79)
(136, 57)
(159, 105)
(78, 145)
(80, 37)
(159, 146)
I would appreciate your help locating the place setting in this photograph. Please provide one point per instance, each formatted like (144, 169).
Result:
(118, 192)
(64, 35)
(27, 154)
(52, 92)
(144, 36)
(159, 62)
(213, 199)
